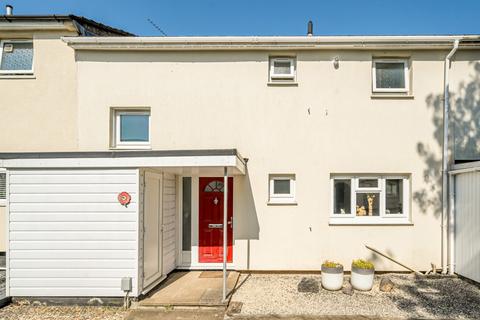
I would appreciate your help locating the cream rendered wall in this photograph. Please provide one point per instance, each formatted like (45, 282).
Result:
(39, 113)
(327, 124)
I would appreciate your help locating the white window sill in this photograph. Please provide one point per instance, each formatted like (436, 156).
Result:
(385, 95)
(346, 221)
(282, 202)
(132, 147)
(3, 203)
(17, 76)
(282, 83)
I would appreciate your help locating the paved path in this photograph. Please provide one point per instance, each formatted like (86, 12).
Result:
(174, 315)
(215, 315)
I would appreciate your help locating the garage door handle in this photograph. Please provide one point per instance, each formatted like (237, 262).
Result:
(215, 225)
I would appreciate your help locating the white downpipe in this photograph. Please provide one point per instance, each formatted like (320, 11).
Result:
(451, 225)
(225, 208)
(445, 158)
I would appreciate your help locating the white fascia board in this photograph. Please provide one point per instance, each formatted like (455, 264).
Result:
(465, 167)
(231, 161)
(266, 43)
(36, 26)
(240, 165)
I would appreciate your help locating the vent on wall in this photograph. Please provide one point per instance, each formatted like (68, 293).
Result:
(3, 185)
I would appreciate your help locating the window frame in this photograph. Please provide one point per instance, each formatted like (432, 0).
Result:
(118, 144)
(352, 197)
(281, 198)
(368, 189)
(390, 90)
(383, 217)
(16, 72)
(285, 77)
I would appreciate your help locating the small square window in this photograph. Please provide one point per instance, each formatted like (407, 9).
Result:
(282, 189)
(282, 69)
(390, 76)
(281, 186)
(132, 129)
(16, 57)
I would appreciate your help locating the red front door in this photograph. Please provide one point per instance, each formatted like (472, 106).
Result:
(211, 220)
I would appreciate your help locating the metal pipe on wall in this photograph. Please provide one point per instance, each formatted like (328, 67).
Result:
(225, 228)
(445, 157)
(451, 224)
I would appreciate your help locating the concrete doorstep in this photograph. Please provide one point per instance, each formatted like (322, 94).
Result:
(189, 290)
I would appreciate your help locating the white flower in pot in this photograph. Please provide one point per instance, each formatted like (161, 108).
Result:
(362, 275)
(332, 275)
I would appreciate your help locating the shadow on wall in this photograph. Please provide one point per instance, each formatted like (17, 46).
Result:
(377, 259)
(465, 125)
(247, 226)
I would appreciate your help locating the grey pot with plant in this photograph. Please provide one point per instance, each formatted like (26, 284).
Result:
(362, 276)
(332, 275)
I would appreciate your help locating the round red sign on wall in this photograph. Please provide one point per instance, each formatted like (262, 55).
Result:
(124, 198)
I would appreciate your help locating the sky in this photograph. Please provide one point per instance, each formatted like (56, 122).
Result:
(269, 17)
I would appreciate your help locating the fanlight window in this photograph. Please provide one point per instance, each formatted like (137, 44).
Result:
(214, 186)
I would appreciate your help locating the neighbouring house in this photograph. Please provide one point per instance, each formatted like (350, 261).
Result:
(38, 85)
(115, 151)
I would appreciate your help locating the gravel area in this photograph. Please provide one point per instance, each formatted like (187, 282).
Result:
(413, 297)
(33, 312)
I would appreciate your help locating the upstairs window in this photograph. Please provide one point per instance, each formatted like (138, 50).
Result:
(16, 57)
(132, 129)
(390, 75)
(282, 69)
(369, 200)
(282, 189)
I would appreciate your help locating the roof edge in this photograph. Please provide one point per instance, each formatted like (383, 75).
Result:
(118, 154)
(271, 43)
(82, 25)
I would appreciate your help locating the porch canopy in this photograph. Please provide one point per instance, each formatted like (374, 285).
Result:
(174, 161)
(221, 162)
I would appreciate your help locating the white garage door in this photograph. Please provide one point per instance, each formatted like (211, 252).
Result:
(467, 225)
(69, 235)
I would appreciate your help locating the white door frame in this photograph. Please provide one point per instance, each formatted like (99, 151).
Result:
(193, 263)
(149, 281)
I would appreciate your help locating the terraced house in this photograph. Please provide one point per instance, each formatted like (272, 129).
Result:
(127, 157)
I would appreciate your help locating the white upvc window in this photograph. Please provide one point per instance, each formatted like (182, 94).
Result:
(367, 199)
(16, 57)
(131, 129)
(390, 75)
(3, 187)
(282, 189)
(282, 69)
